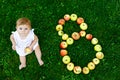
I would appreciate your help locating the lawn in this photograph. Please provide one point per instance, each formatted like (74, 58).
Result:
(102, 18)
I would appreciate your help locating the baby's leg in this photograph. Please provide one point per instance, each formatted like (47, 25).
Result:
(23, 62)
(38, 55)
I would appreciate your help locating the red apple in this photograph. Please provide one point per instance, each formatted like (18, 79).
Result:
(61, 21)
(63, 44)
(80, 20)
(89, 36)
(67, 17)
(75, 35)
(63, 52)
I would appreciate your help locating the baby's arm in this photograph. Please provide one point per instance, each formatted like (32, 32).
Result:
(13, 41)
(33, 42)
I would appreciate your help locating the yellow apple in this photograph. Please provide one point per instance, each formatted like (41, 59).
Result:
(27, 50)
(100, 55)
(94, 41)
(64, 36)
(59, 27)
(82, 33)
(97, 47)
(60, 33)
(91, 65)
(73, 17)
(67, 17)
(69, 41)
(83, 26)
(77, 69)
(66, 59)
(70, 66)
(86, 70)
(96, 61)
(75, 35)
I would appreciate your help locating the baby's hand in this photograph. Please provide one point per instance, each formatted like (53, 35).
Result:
(13, 47)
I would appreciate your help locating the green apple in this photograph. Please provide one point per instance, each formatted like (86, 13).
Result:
(66, 59)
(97, 47)
(69, 41)
(83, 26)
(65, 36)
(70, 66)
(86, 70)
(96, 61)
(60, 33)
(59, 27)
(100, 55)
(73, 17)
(91, 65)
(77, 69)
(94, 41)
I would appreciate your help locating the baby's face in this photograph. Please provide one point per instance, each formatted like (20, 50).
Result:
(23, 29)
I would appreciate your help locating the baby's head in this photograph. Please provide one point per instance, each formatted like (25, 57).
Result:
(23, 21)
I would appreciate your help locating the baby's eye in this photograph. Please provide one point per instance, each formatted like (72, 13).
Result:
(20, 28)
(26, 28)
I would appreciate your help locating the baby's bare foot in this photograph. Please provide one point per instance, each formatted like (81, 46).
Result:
(21, 66)
(41, 62)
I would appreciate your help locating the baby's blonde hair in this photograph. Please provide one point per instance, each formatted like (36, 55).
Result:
(23, 21)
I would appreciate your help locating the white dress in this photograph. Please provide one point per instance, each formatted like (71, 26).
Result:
(22, 44)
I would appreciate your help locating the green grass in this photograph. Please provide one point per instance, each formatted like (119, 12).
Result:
(102, 17)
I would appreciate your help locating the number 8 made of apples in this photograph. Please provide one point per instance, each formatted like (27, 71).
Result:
(67, 41)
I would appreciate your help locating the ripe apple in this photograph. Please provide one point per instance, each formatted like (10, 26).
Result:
(73, 17)
(77, 69)
(83, 26)
(69, 41)
(75, 35)
(59, 27)
(80, 20)
(60, 33)
(97, 47)
(70, 66)
(82, 33)
(94, 41)
(66, 59)
(65, 36)
(89, 36)
(96, 61)
(63, 44)
(91, 65)
(86, 70)
(63, 52)
(27, 50)
(61, 22)
(67, 17)
(100, 55)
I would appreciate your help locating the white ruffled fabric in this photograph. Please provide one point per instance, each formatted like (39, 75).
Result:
(22, 44)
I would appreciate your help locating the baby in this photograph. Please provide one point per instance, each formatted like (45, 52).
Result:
(24, 41)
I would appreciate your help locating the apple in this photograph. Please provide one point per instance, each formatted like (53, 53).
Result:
(100, 55)
(80, 20)
(82, 33)
(83, 26)
(96, 61)
(66, 59)
(63, 52)
(67, 17)
(61, 22)
(60, 33)
(59, 27)
(97, 47)
(63, 44)
(94, 41)
(89, 36)
(69, 41)
(65, 36)
(27, 50)
(70, 66)
(91, 65)
(75, 35)
(86, 70)
(73, 17)
(77, 69)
